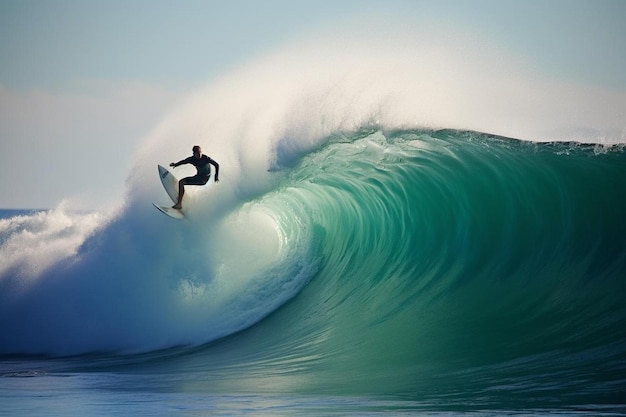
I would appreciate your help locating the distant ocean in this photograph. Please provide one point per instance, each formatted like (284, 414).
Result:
(372, 248)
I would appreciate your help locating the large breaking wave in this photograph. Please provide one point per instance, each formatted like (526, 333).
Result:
(408, 251)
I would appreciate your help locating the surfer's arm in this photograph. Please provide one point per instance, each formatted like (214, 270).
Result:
(217, 170)
(181, 162)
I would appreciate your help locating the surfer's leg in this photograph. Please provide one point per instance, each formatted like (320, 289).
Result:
(195, 180)
(181, 192)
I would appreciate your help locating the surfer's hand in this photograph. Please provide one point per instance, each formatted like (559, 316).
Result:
(217, 179)
(173, 164)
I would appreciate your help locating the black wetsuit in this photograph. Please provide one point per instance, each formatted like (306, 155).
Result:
(203, 165)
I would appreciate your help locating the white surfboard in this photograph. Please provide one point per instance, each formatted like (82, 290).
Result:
(172, 212)
(170, 183)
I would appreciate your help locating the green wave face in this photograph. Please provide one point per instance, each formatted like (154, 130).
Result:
(449, 259)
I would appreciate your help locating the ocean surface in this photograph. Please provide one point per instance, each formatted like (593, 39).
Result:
(439, 272)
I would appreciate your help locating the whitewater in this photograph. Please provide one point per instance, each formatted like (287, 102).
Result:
(420, 224)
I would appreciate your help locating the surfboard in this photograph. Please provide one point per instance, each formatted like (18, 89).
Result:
(170, 183)
(172, 212)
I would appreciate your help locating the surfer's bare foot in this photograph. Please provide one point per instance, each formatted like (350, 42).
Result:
(177, 206)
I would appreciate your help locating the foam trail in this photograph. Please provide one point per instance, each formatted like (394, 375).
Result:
(140, 283)
(31, 244)
(134, 280)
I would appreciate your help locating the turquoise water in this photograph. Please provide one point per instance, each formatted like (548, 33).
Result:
(443, 272)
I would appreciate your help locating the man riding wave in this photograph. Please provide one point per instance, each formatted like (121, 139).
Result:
(203, 166)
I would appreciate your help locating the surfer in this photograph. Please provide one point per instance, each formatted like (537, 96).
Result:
(203, 166)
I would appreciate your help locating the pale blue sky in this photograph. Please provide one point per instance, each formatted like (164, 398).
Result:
(81, 78)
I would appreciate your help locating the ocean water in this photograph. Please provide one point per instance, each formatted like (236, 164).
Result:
(418, 229)
(441, 272)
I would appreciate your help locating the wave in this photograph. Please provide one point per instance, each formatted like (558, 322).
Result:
(446, 262)
(409, 215)
(384, 262)
(350, 245)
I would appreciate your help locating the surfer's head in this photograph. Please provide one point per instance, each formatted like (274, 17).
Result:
(197, 151)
